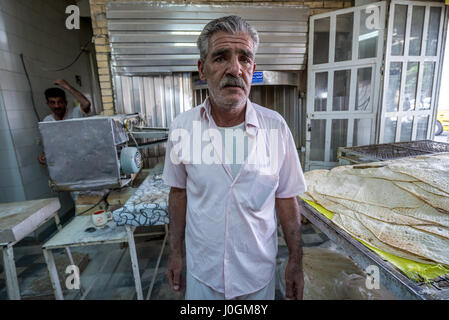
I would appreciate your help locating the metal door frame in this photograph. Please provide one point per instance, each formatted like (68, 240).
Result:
(331, 67)
(404, 59)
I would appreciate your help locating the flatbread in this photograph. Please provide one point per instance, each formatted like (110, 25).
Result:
(348, 221)
(432, 170)
(358, 230)
(434, 200)
(398, 206)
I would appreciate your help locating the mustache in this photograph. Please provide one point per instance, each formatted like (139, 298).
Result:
(232, 81)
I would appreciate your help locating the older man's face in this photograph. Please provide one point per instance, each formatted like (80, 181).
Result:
(228, 69)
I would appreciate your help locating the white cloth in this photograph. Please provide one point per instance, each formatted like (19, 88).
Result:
(231, 225)
(196, 290)
(72, 113)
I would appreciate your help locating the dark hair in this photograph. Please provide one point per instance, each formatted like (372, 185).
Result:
(55, 93)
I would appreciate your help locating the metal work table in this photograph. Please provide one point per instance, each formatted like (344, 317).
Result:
(390, 277)
(146, 207)
(18, 220)
(80, 232)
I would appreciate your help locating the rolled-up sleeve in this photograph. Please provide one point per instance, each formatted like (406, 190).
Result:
(291, 177)
(175, 174)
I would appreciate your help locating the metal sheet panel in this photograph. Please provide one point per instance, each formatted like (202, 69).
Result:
(158, 98)
(96, 164)
(153, 37)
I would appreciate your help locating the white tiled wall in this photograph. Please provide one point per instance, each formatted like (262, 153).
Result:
(36, 29)
(11, 186)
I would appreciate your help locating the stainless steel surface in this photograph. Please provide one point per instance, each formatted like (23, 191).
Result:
(85, 156)
(158, 98)
(150, 134)
(153, 37)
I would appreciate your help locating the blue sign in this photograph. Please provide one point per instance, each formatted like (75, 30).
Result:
(258, 77)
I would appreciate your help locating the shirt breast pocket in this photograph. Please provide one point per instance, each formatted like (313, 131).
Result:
(262, 187)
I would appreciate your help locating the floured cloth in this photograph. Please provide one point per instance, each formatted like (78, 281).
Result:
(148, 206)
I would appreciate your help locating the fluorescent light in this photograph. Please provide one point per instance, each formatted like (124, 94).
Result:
(181, 44)
(186, 33)
(370, 35)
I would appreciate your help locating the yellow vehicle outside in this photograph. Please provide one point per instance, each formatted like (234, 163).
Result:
(442, 123)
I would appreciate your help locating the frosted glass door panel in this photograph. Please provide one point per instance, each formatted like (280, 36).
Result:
(362, 132)
(416, 30)
(433, 31)
(363, 100)
(421, 130)
(394, 85)
(367, 37)
(400, 18)
(321, 91)
(343, 37)
(390, 129)
(318, 133)
(342, 82)
(410, 86)
(339, 136)
(427, 85)
(406, 129)
(321, 41)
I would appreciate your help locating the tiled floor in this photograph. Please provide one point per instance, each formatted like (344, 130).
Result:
(114, 278)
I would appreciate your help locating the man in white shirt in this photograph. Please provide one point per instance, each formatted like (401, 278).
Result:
(57, 102)
(224, 193)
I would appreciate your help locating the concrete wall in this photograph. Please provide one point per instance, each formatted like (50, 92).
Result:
(37, 30)
(99, 24)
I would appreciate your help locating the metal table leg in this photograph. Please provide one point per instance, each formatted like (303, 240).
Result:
(53, 274)
(67, 249)
(157, 264)
(134, 262)
(12, 284)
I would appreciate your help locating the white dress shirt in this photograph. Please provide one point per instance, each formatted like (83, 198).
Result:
(231, 225)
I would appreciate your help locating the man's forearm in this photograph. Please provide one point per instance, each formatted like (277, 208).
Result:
(290, 219)
(177, 204)
(84, 102)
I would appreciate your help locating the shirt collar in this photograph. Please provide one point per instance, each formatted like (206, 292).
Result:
(251, 120)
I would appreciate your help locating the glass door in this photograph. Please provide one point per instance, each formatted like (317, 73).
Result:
(412, 60)
(345, 55)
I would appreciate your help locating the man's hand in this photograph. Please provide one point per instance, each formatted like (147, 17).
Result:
(42, 160)
(174, 272)
(84, 102)
(177, 204)
(290, 219)
(62, 83)
(294, 280)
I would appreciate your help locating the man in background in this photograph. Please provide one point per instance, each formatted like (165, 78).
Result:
(57, 102)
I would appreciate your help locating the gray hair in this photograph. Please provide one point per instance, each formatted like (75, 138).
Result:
(231, 24)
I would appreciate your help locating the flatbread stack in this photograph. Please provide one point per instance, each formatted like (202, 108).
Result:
(399, 206)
